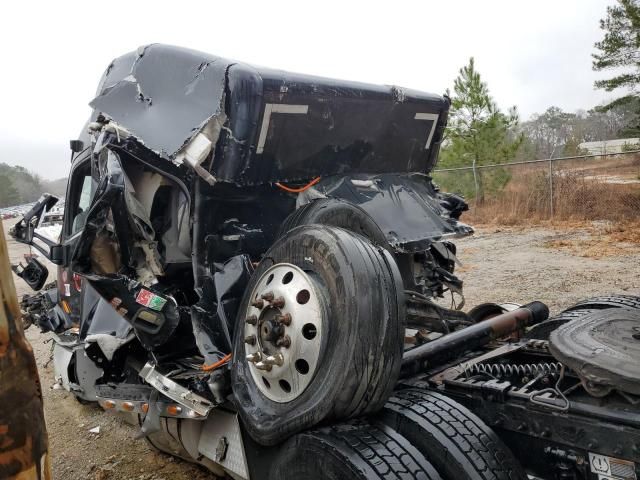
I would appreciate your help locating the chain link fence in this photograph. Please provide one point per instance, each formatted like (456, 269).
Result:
(589, 187)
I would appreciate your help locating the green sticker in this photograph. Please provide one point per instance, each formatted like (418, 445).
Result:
(156, 303)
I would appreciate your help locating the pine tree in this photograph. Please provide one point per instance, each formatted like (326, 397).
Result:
(478, 132)
(620, 47)
(619, 50)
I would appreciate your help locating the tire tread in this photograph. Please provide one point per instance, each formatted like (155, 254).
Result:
(464, 438)
(607, 301)
(542, 330)
(389, 455)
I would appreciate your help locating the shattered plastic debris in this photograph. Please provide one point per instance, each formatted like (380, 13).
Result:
(95, 430)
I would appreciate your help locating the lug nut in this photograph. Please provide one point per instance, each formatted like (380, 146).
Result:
(258, 304)
(278, 302)
(254, 357)
(276, 359)
(284, 319)
(252, 320)
(267, 296)
(263, 366)
(251, 340)
(284, 342)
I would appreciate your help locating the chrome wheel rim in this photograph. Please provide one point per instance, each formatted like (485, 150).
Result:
(283, 330)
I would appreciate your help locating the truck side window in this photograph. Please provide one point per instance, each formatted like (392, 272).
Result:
(80, 197)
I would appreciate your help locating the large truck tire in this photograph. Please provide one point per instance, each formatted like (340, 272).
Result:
(542, 330)
(458, 443)
(319, 335)
(607, 301)
(358, 451)
(337, 213)
(581, 309)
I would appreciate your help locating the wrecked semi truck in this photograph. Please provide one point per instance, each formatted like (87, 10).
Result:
(252, 264)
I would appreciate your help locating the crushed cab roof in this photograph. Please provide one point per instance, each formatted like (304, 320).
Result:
(251, 125)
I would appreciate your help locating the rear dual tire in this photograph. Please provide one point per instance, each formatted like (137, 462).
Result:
(356, 450)
(582, 309)
(607, 301)
(458, 443)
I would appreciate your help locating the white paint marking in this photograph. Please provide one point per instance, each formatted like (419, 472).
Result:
(432, 117)
(270, 108)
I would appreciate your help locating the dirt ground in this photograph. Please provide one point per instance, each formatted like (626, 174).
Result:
(556, 266)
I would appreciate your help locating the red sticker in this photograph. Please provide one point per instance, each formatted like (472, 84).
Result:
(144, 297)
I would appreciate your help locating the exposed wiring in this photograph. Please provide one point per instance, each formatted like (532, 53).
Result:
(300, 189)
(218, 364)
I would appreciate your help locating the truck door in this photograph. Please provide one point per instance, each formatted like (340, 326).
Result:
(80, 191)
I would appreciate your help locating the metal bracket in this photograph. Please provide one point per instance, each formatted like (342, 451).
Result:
(175, 391)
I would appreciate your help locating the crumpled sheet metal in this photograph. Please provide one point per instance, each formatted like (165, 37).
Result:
(214, 316)
(164, 96)
(264, 126)
(98, 317)
(407, 208)
(120, 290)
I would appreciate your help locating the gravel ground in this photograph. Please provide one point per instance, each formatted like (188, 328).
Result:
(499, 265)
(522, 265)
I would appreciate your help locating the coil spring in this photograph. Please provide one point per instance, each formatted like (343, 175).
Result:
(511, 369)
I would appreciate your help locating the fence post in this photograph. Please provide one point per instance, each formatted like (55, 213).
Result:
(551, 187)
(475, 178)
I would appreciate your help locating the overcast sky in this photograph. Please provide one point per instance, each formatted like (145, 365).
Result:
(533, 54)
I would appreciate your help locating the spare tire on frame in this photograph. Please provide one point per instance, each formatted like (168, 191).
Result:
(350, 336)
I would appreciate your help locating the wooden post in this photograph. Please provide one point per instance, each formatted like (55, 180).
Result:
(23, 434)
(551, 187)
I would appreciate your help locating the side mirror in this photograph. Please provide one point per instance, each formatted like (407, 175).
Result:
(24, 230)
(35, 273)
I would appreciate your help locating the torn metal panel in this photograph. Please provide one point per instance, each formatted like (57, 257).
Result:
(230, 281)
(116, 213)
(250, 125)
(407, 208)
(163, 95)
(98, 317)
(109, 343)
(213, 318)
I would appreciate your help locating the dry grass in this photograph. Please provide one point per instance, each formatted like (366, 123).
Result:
(628, 232)
(578, 195)
(596, 204)
(592, 248)
(616, 239)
